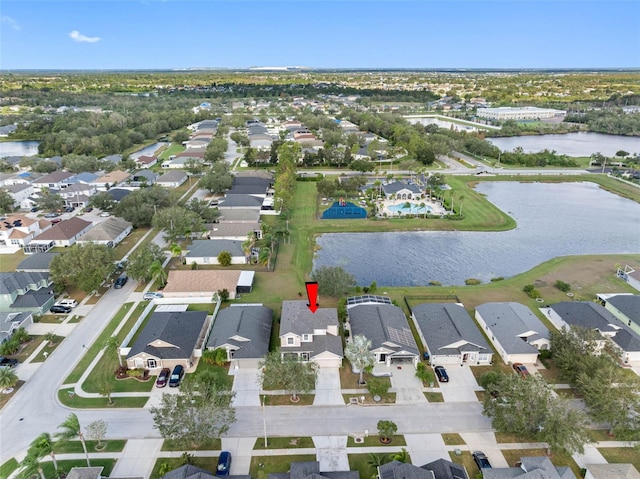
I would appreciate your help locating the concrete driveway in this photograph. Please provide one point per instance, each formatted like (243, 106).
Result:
(246, 385)
(328, 388)
(425, 448)
(485, 442)
(407, 386)
(461, 386)
(240, 449)
(331, 453)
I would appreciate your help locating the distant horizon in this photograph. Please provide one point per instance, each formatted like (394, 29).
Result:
(136, 35)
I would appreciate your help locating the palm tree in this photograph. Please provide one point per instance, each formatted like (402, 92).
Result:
(8, 378)
(30, 467)
(461, 198)
(407, 205)
(176, 250)
(42, 446)
(423, 207)
(264, 257)
(70, 430)
(359, 354)
(50, 337)
(112, 344)
(157, 271)
(376, 460)
(402, 456)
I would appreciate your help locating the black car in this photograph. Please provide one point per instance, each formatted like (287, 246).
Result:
(7, 362)
(481, 460)
(176, 376)
(224, 464)
(120, 282)
(163, 378)
(69, 209)
(441, 372)
(58, 308)
(34, 209)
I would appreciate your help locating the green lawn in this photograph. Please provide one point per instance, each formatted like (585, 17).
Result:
(10, 262)
(285, 400)
(75, 447)
(284, 443)
(48, 349)
(374, 441)
(466, 460)
(360, 463)
(213, 445)
(126, 244)
(172, 149)
(77, 402)
(261, 466)
(452, 439)
(66, 465)
(621, 455)
(433, 397)
(8, 467)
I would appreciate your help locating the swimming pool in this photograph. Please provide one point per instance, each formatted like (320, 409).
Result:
(415, 209)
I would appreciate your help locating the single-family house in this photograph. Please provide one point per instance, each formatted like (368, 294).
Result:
(18, 230)
(172, 179)
(65, 233)
(86, 177)
(10, 322)
(207, 251)
(251, 184)
(233, 231)
(189, 472)
(146, 161)
(401, 190)
(243, 331)
(239, 215)
(630, 275)
(110, 232)
(168, 339)
(260, 141)
(386, 326)
(611, 471)
(311, 336)
(36, 263)
(515, 332)
(241, 202)
(28, 292)
(589, 315)
(449, 335)
(21, 194)
(141, 179)
(625, 307)
(113, 158)
(117, 194)
(53, 181)
(538, 467)
(311, 470)
(207, 283)
(111, 179)
(438, 469)
(77, 194)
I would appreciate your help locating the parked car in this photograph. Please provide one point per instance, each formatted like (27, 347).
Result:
(69, 209)
(481, 460)
(104, 214)
(121, 281)
(224, 464)
(8, 363)
(163, 377)
(34, 209)
(151, 295)
(56, 220)
(441, 372)
(176, 376)
(57, 308)
(69, 303)
(51, 215)
(521, 370)
(88, 209)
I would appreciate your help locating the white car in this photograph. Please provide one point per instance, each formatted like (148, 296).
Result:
(104, 214)
(151, 295)
(69, 303)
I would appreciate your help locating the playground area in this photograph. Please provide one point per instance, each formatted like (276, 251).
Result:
(422, 207)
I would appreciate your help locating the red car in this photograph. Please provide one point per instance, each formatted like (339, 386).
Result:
(521, 370)
(163, 377)
(56, 220)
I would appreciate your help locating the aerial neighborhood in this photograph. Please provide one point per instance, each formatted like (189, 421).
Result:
(316, 282)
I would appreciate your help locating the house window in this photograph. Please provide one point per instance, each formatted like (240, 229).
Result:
(304, 356)
(151, 363)
(306, 338)
(290, 341)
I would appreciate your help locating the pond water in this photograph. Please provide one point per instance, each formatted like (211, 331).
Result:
(18, 148)
(553, 220)
(571, 144)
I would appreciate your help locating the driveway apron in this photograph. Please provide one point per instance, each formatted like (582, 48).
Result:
(331, 453)
(246, 385)
(328, 390)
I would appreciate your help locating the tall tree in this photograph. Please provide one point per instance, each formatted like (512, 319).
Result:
(288, 372)
(333, 280)
(112, 345)
(49, 201)
(359, 354)
(71, 430)
(7, 203)
(142, 260)
(201, 411)
(217, 179)
(158, 272)
(85, 266)
(30, 467)
(43, 446)
(177, 222)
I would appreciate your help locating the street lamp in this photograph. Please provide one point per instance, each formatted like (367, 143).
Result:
(264, 421)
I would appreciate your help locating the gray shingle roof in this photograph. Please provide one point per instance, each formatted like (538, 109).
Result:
(401, 470)
(180, 329)
(297, 318)
(12, 282)
(217, 230)
(247, 328)
(188, 472)
(594, 316)
(172, 176)
(243, 200)
(445, 324)
(36, 262)
(212, 248)
(311, 470)
(443, 469)
(508, 322)
(118, 193)
(627, 304)
(239, 214)
(396, 186)
(385, 325)
(107, 230)
(539, 467)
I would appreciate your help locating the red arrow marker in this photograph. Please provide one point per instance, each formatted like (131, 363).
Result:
(312, 294)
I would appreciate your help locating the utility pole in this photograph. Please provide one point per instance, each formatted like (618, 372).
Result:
(264, 421)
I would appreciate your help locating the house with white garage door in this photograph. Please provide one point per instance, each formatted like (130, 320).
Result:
(386, 326)
(449, 335)
(311, 336)
(243, 331)
(515, 332)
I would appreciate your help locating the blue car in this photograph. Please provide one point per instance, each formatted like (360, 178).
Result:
(224, 464)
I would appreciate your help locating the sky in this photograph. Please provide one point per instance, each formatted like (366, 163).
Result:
(175, 34)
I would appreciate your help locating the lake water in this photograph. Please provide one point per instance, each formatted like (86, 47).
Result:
(571, 144)
(18, 148)
(553, 220)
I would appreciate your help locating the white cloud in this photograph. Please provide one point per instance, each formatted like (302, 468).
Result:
(10, 21)
(79, 37)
